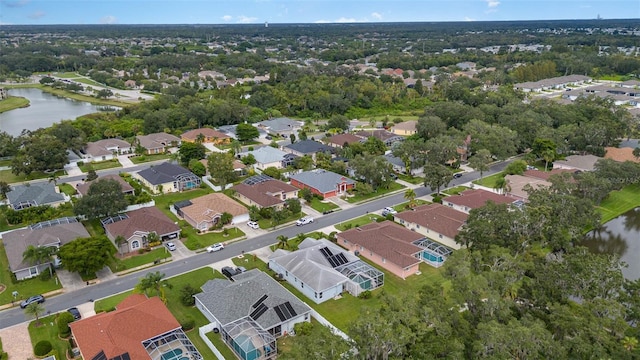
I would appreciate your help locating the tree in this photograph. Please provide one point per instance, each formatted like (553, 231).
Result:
(104, 93)
(249, 159)
(306, 194)
(197, 167)
(411, 152)
(480, 161)
(338, 122)
(236, 146)
(636, 153)
(34, 310)
(4, 189)
(104, 198)
(303, 162)
(221, 168)
(502, 185)
(246, 132)
(374, 170)
(190, 151)
(374, 146)
(272, 172)
(38, 255)
(441, 149)
(292, 137)
(429, 127)
(517, 167)
(437, 176)
(283, 241)
(410, 195)
(39, 153)
(91, 175)
(293, 205)
(499, 140)
(87, 255)
(153, 282)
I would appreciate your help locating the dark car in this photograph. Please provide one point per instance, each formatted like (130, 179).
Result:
(229, 272)
(34, 299)
(457, 175)
(75, 312)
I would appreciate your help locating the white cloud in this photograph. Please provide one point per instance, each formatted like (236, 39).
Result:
(227, 18)
(246, 19)
(37, 15)
(466, 18)
(376, 15)
(492, 3)
(14, 4)
(109, 19)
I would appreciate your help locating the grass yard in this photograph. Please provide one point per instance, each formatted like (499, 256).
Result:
(489, 181)
(131, 262)
(269, 224)
(88, 81)
(619, 202)
(322, 206)
(6, 162)
(9, 177)
(80, 97)
(147, 158)
(48, 330)
(394, 186)
(67, 189)
(416, 180)
(100, 165)
(455, 190)
(405, 206)
(217, 341)
(362, 220)
(66, 75)
(13, 102)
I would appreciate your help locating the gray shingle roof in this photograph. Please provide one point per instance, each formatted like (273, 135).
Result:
(321, 180)
(280, 124)
(41, 193)
(266, 154)
(163, 173)
(309, 147)
(229, 301)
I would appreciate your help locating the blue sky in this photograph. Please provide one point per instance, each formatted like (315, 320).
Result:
(27, 12)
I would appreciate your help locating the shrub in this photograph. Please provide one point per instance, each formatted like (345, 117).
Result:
(365, 295)
(437, 199)
(187, 324)
(42, 348)
(186, 295)
(63, 324)
(44, 276)
(303, 328)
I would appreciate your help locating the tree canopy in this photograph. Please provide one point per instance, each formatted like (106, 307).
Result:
(104, 198)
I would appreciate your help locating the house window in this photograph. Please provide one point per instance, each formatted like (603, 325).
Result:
(302, 284)
(370, 253)
(286, 273)
(316, 295)
(320, 295)
(417, 226)
(345, 241)
(284, 196)
(33, 271)
(384, 260)
(401, 221)
(361, 248)
(135, 244)
(440, 236)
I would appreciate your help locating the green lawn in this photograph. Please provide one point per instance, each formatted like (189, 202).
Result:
(100, 165)
(13, 102)
(405, 206)
(131, 262)
(394, 186)
(217, 341)
(67, 189)
(619, 202)
(416, 180)
(322, 206)
(362, 220)
(8, 177)
(147, 158)
(489, 181)
(6, 162)
(455, 190)
(66, 75)
(25, 288)
(48, 330)
(88, 81)
(268, 223)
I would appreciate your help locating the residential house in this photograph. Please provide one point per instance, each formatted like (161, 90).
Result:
(438, 223)
(475, 198)
(157, 143)
(322, 182)
(517, 185)
(386, 244)
(405, 128)
(167, 178)
(251, 312)
(206, 135)
(106, 149)
(35, 194)
(545, 175)
(51, 233)
(204, 212)
(620, 154)
(339, 140)
(307, 147)
(560, 82)
(127, 189)
(231, 131)
(400, 167)
(577, 162)
(135, 226)
(139, 328)
(267, 156)
(264, 192)
(388, 138)
(131, 84)
(280, 126)
(322, 270)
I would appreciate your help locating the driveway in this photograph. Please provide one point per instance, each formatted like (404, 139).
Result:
(125, 161)
(16, 341)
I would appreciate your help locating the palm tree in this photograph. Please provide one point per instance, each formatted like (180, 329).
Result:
(4, 189)
(54, 177)
(120, 240)
(236, 147)
(36, 310)
(629, 343)
(410, 195)
(38, 255)
(283, 241)
(500, 185)
(153, 281)
(548, 155)
(200, 138)
(636, 153)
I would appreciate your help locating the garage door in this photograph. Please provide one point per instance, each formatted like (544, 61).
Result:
(240, 219)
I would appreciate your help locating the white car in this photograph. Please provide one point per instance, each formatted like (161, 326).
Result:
(253, 225)
(389, 210)
(215, 247)
(171, 246)
(304, 221)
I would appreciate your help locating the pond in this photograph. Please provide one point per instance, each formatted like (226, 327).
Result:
(44, 110)
(620, 236)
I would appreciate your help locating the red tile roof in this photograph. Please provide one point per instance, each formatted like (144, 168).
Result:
(341, 139)
(545, 175)
(135, 320)
(388, 240)
(620, 154)
(476, 198)
(262, 193)
(207, 132)
(439, 218)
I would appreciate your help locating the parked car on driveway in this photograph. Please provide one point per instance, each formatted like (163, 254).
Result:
(304, 221)
(215, 247)
(75, 312)
(253, 225)
(388, 210)
(171, 246)
(34, 299)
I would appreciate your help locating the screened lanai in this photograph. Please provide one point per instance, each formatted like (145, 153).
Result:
(433, 253)
(187, 181)
(362, 275)
(248, 340)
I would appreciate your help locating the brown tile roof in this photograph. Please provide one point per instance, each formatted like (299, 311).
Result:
(517, 184)
(135, 320)
(545, 175)
(476, 198)
(204, 208)
(207, 132)
(157, 140)
(149, 219)
(620, 154)
(579, 162)
(105, 146)
(406, 125)
(263, 193)
(439, 218)
(83, 188)
(341, 139)
(388, 240)
(383, 135)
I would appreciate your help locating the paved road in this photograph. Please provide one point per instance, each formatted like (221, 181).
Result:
(104, 289)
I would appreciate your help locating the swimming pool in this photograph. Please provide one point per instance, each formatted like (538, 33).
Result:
(175, 354)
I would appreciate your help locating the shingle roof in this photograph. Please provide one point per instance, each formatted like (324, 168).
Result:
(83, 188)
(383, 135)
(17, 241)
(207, 132)
(406, 125)
(41, 193)
(341, 139)
(266, 154)
(149, 219)
(262, 193)
(439, 218)
(545, 175)
(580, 162)
(157, 140)
(517, 184)
(135, 320)
(205, 208)
(310, 266)
(229, 301)
(475, 198)
(163, 173)
(105, 147)
(387, 239)
(321, 180)
(280, 124)
(308, 147)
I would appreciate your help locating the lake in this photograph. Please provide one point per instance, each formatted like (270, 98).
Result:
(44, 110)
(620, 236)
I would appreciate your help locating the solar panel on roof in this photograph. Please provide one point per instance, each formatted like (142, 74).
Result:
(290, 308)
(263, 298)
(279, 313)
(261, 309)
(100, 356)
(285, 311)
(256, 179)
